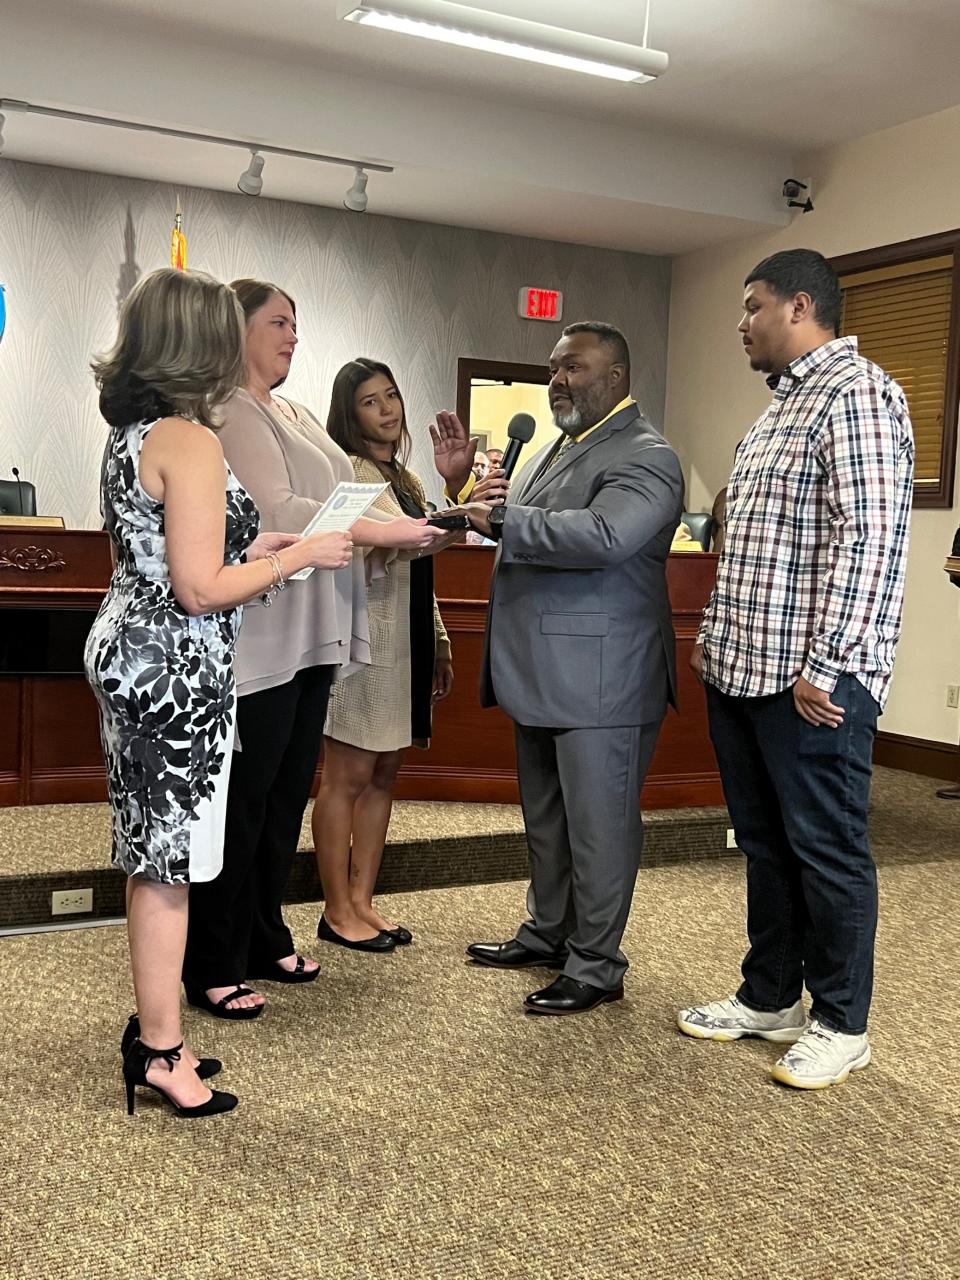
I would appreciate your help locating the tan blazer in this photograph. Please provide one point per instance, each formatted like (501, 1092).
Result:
(388, 595)
(371, 708)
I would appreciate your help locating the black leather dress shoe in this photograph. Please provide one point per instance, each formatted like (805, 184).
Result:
(513, 955)
(380, 942)
(566, 995)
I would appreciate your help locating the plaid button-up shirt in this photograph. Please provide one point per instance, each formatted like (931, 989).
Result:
(810, 582)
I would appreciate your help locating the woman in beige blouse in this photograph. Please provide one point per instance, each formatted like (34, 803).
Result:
(378, 711)
(287, 657)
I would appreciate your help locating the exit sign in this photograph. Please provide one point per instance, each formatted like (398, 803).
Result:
(541, 304)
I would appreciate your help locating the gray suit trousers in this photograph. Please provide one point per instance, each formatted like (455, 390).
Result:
(580, 792)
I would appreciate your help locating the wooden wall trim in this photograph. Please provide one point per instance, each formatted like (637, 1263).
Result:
(917, 755)
(469, 368)
(892, 254)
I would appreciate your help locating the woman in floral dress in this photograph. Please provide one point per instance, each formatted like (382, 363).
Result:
(159, 655)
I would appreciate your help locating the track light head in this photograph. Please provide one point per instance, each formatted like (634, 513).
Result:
(356, 197)
(251, 180)
(2, 123)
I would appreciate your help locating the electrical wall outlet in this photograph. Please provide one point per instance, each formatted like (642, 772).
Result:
(953, 695)
(69, 902)
(731, 838)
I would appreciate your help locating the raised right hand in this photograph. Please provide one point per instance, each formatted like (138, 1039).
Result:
(330, 550)
(453, 450)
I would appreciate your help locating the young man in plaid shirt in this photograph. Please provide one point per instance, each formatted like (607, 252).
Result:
(796, 653)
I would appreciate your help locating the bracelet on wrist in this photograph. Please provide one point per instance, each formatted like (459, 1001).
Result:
(266, 597)
(279, 581)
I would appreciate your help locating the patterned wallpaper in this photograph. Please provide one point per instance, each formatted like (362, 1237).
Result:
(415, 295)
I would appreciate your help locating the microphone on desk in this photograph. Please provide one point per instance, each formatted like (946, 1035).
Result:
(16, 476)
(520, 431)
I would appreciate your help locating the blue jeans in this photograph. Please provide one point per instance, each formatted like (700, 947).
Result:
(798, 798)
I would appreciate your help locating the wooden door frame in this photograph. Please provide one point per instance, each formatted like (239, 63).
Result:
(504, 371)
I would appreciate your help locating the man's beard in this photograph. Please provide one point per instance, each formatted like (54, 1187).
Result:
(570, 422)
(586, 410)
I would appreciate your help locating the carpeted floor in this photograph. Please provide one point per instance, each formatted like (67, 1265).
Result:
(73, 837)
(401, 1117)
(906, 822)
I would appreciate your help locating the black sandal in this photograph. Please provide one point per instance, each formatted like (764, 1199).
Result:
(135, 1064)
(279, 974)
(205, 1068)
(200, 1000)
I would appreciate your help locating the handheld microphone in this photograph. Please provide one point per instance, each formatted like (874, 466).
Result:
(16, 476)
(520, 431)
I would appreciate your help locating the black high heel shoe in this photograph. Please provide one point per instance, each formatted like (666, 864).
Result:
(135, 1064)
(205, 1068)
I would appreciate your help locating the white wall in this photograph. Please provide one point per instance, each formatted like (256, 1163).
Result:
(415, 295)
(890, 186)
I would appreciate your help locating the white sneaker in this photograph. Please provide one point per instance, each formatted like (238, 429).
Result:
(821, 1057)
(730, 1020)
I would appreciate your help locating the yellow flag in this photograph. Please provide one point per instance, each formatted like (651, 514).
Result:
(178, 242)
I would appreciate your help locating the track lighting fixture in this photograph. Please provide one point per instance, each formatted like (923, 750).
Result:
(356, 197)
(251, 180)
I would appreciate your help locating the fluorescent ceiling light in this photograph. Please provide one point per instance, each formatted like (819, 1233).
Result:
(471, 28)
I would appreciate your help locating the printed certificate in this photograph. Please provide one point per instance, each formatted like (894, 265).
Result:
(348, 502)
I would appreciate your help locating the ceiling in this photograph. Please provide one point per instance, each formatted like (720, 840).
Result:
(692, 158)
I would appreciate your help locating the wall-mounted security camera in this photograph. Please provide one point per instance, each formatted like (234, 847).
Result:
(796, 195)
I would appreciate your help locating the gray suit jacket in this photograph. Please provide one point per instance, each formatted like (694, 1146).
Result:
(578, 630)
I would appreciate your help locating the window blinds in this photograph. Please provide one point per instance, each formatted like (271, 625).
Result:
(901, 318)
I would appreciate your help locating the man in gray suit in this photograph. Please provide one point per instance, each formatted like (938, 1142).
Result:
(579, 652)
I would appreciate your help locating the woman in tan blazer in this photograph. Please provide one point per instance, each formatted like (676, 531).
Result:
(380, 710)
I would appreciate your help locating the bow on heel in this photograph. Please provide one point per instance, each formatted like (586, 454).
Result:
(135, 1065)
(205, 1068)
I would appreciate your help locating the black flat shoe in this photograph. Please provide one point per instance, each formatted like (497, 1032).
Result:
(200, 1000)
(565, 996)
(513, 955)
(205, 1068)
(403, 936)
(382, 942)
(135, 1064)
(279, 974)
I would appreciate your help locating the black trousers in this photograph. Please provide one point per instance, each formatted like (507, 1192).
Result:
(236, 922)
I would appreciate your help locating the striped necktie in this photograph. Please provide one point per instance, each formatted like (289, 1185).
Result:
(567, 444)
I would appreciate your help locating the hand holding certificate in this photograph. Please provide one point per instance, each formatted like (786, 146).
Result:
(348, 502)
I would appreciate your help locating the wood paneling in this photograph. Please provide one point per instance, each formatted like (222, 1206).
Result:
(10, 736)
(65, 568)
(50, 739)
(65, 760)
(50, 745)
(472, 754)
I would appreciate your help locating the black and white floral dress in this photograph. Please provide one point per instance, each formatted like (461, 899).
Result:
(164, 683)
